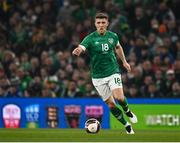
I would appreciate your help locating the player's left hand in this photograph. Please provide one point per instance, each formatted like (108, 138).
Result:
(127, 66)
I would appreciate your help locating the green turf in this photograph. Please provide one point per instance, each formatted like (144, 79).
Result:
(77, 135)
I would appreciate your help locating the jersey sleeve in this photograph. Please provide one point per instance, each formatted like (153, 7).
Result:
(85, 43)
(117, 40)
(118, 44)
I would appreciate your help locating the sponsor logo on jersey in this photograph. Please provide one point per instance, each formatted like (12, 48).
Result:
(111, 40)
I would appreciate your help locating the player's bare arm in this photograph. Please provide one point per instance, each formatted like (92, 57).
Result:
(78, 50)
(120, 53)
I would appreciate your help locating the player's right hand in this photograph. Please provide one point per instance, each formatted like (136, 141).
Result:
(77, 51)
(127, 66)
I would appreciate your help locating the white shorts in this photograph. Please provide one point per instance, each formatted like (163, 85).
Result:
(104, 86)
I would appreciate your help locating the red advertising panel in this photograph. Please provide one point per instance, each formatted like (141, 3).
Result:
(11, 116)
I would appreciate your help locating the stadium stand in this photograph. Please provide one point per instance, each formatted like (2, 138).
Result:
(37, 37)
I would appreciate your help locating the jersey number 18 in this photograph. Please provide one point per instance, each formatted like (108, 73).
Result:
(105, 47)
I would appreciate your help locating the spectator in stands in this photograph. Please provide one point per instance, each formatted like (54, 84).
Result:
(160, 82)
(24, 79)
(147, 68)
(2, 92)
(147, 81)
(175, 90)
(134, 92)
(14, 89)
(47, 93)
(53, 85)
(152, 91)
(90, 91)
(72, 90)
(34, 67)
(177, 69)
(170, 79)
(140, 22)
(156, 63)
(35, 87)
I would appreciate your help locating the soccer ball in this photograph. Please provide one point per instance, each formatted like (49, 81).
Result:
(92, 126)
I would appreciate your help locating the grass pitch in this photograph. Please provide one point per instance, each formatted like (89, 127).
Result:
(79, 135)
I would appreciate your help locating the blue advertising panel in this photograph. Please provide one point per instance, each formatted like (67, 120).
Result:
(51, 113)
(61, 112)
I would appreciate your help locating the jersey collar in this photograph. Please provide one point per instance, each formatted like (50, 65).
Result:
(100, 34)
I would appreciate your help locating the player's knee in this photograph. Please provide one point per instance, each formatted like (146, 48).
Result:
(111, 105)
(120, 98)
(118, 94)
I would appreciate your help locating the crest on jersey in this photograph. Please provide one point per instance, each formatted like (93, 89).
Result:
(111, 40)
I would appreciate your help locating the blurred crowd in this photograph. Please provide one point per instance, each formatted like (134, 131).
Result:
(38, 36)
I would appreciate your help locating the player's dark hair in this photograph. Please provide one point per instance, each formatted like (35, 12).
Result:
(102, 15)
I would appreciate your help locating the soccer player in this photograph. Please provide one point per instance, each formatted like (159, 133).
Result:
(102, 45)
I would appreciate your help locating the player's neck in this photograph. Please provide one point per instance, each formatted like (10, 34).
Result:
(102, 34)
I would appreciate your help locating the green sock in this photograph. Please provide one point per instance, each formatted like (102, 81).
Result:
(124, 104)
(118, 114)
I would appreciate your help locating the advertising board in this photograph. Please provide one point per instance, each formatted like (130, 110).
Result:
(52, 112)
(153, 114)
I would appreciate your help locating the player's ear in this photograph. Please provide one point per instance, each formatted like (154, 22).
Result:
(95, 23)
(107, 22)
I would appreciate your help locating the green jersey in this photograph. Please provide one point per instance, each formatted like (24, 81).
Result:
(101, 48)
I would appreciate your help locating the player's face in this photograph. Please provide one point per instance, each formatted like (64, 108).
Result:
(101, 25)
